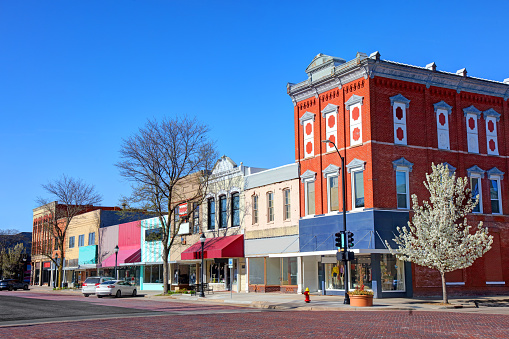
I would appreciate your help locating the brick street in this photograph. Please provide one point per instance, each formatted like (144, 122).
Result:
(393, 324)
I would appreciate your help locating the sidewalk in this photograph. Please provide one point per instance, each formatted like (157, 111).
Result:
(277, 301)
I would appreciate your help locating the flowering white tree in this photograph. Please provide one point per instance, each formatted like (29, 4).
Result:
(438, 236)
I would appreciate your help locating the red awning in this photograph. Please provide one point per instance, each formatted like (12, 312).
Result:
(220, 247)
(125, 256)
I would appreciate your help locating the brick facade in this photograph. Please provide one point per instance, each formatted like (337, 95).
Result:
(428, 94)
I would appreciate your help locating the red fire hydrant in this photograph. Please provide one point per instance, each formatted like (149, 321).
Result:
(306, 294)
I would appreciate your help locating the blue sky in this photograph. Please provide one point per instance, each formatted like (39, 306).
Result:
(78, 76)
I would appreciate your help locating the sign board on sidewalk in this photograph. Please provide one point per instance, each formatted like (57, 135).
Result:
(230, 263)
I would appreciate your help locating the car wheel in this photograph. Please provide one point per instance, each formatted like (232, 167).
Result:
(119, 294)
(86, 295)
(25, 287)
(99, 296)
(134, 293)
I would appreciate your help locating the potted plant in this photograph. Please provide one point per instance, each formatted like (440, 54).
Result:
(361, 297)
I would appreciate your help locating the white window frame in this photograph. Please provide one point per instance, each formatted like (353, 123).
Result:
(308, 177)
(499, 193)
(407, 187)
(478, 177)
(270, 206)
(354, 166)
(255, 201)
(287, 216)
(330, 171)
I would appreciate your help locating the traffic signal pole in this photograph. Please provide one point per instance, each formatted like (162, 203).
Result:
(345, 257)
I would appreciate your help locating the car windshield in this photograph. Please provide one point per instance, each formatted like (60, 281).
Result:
(92, 281)
(108, 282)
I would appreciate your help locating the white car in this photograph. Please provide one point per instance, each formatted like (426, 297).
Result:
(116, 288)
(90, 284)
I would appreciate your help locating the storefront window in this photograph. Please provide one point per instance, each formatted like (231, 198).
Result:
(361, 272)
(289, 271)
(393, 273)
(256, 271)
(273, 271)
(217, 273)
(153, 274)
(335, 276)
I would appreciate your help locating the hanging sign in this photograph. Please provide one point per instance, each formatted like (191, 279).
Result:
(183, 209)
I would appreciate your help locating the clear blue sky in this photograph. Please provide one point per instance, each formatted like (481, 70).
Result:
(78, 76)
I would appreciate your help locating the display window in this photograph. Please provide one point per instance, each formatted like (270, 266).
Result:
(360, 272)
(393, 273)
(335, 276)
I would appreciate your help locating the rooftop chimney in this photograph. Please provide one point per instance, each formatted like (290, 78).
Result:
(432, 66)
(462, 72)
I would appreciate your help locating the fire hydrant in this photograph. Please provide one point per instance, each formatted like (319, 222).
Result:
(306, 294)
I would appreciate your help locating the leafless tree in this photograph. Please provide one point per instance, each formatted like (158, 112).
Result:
(8, 238)
(161, 161)
(12, 265)
(70, 197)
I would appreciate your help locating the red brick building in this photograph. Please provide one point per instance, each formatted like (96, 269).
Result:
(390, 121)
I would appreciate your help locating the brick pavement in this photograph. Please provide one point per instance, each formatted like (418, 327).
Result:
(270, 324)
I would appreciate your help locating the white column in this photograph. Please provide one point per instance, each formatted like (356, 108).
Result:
(300, 274)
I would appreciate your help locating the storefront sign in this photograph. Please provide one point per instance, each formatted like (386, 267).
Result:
(183, 209)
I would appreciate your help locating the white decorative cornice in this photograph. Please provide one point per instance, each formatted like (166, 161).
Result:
(354, 99)
(491, 113)
(472, 110)
(402, 162)
(306, 116)
(451, 168)
(329, 109)
(475, 170)
(331, 169)
(308, 175)
(495, 173)
(356, 164)
(442, 105)
(401, 99)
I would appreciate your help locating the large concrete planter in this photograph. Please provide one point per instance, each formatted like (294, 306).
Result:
(361, 300)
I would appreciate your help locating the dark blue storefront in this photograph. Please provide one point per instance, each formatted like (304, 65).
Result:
(387, 276)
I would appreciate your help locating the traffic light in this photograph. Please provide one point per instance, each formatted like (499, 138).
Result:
(340, 239)
(350, 239)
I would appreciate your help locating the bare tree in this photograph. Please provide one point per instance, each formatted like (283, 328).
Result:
(8, 238)
(69, 198)
(160, 161)
(12, 264)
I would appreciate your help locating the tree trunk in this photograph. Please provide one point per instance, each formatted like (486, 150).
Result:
(445, 300)
(60, 276)
(165, 270)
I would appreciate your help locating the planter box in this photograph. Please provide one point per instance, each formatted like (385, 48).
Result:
(361, 300)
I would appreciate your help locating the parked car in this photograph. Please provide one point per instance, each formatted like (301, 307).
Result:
(12, 284)
(116, 288)
(89, 285)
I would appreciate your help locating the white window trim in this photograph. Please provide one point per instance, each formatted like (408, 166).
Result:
(268, 207)
(285, 190)
(478, 176)
(306, 211)
(327, 177)
(352, 178)
(499, 193)
(405, 170)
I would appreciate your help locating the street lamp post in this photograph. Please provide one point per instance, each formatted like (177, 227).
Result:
(202, 240)
(345, 258)
(116, 257)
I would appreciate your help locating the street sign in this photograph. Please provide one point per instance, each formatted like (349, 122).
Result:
(230, 263)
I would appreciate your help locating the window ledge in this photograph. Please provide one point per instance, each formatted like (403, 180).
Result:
(455, 283)
(495, 282)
